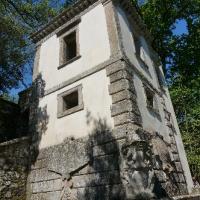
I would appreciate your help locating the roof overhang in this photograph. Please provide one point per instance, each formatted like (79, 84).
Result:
(61, 19)
(79, 7)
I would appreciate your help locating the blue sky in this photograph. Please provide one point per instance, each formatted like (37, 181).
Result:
(180, 28)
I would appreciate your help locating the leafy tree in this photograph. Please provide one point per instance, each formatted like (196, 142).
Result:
(8, 97)
(19, 18)
(69, 3)
(180, 56)
(179, 53)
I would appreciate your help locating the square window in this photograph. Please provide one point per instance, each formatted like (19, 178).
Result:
(69, 44)
(151, 100)
(137, 46)
(70, 101)
(167, 115)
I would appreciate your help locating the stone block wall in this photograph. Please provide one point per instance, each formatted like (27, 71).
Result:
(102, 166)
(78, 169)
(14, 162)
(124, 163)
(156, 155)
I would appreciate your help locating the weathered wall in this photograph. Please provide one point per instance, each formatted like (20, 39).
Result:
(121, 155)
(94, 49)
(92, 172)
(152, 121)
(96, 102)
(126, 162)
(166, 166)
(127, 30)
(14, 162)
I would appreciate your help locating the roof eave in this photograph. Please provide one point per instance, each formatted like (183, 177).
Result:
(60, 19)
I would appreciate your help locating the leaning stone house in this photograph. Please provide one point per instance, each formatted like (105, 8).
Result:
(102, 124)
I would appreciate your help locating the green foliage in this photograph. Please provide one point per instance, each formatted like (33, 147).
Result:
(191, 138)
(187, 106)
(180, 55)
(19, 18)
(68, 3)
(9, 98)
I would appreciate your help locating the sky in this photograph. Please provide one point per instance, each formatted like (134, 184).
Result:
(180, 28)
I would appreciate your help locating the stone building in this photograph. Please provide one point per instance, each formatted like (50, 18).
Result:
(102, 124)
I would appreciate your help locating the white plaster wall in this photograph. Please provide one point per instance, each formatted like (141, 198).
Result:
(129, 48)
(97, 102)
(150, 121)
(94, 49)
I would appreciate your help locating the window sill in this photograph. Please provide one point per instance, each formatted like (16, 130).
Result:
(69, 61)
(71, 111)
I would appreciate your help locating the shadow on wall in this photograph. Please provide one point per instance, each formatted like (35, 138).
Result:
(17, 156)
(167, 177)
(9, 113)
(39, 118)
(14, 159)
(103, 151)
(105, 179)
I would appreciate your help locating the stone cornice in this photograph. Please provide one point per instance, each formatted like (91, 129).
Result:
(85, 74)
(74, 13)
(81, 5)
(109, 62)
(62, 18)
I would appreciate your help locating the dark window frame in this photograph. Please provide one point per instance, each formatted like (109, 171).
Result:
(62, 110)
(151, 100)
(69, 47)
(63, 34)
